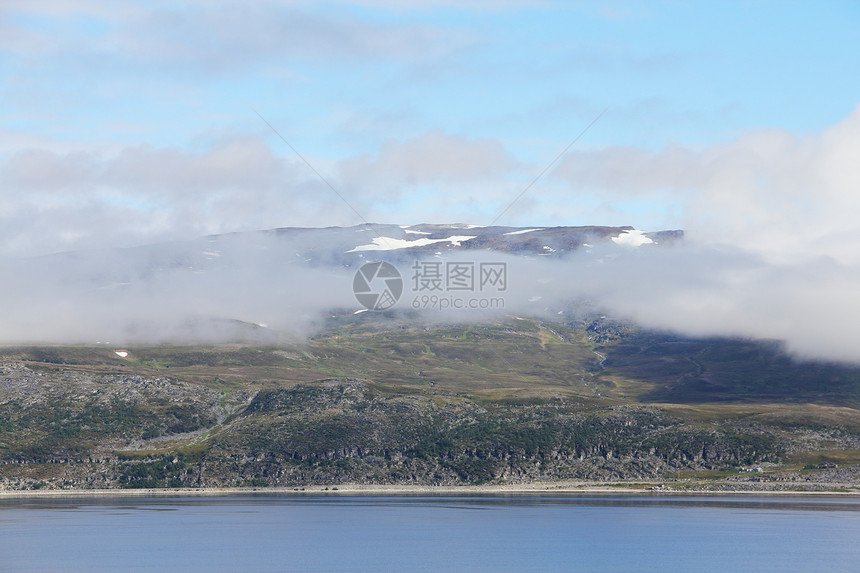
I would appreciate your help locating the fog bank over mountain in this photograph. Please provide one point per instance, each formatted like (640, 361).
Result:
(770, 249)
(283, 284)
(708, 291)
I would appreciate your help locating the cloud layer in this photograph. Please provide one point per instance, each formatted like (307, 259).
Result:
(128, 124)
(773, 248)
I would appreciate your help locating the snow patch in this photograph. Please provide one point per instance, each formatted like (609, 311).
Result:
(121, 353)
(457, 240)
(390, 244)
(632, 238)
(522, 231)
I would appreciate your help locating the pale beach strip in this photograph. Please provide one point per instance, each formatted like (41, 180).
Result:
(636, 488)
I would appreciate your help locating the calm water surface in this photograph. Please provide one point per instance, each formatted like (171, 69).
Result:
(499, 533)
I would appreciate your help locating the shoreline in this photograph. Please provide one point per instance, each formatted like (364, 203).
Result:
(414, 490)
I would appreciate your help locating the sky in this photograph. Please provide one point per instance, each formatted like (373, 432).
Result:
(133, 123)
(124, 123)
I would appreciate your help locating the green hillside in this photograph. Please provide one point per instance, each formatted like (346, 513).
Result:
(379, 398)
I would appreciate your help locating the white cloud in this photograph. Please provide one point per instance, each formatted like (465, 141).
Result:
(193, 36)
(770, 192)
(51, 201)
(773, 194)
(773, 244)
(434, 158)
(773, 238)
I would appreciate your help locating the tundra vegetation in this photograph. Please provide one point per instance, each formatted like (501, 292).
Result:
(382, 398)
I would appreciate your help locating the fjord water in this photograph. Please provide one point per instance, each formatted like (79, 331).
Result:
(498, 533)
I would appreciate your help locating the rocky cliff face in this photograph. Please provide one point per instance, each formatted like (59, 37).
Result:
(65, 429)
(379, 399)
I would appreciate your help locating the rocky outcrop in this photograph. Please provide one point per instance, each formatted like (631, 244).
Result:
(77, 430)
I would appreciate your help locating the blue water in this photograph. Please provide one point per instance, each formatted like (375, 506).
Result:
(499, 533)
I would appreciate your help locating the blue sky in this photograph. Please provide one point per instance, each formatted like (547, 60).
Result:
(129, 122)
